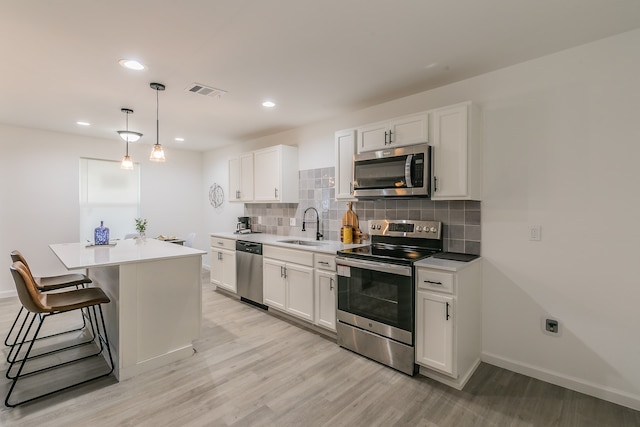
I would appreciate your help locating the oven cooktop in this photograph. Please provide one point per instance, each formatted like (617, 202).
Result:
(395, 254)
(399, 241)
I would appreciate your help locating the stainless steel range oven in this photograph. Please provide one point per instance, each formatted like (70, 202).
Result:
(376, 293)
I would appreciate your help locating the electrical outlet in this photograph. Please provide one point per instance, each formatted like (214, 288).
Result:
(292, 222)
(259, 220)
(535, 233)
(551, 325)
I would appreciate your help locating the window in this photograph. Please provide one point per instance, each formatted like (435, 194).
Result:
(109, 194)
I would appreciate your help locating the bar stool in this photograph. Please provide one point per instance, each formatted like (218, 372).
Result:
(45, 284)
(43, 306)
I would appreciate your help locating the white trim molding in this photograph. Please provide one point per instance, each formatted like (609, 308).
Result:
(572, 383)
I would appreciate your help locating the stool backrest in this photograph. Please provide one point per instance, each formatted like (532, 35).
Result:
(28, 293)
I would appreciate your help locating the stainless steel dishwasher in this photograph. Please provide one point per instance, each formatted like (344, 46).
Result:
(249, 272)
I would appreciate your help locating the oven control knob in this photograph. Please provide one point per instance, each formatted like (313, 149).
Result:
(378, 227)
(433, 229)
(419, 228)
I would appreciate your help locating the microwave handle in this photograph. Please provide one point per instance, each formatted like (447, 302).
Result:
(407, 170)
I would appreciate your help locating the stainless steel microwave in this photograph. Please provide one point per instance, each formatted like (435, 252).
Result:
(397, 172)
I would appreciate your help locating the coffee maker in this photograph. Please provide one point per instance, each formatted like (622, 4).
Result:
(243, 225)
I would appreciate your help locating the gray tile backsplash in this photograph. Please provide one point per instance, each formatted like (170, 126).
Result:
(460, 219)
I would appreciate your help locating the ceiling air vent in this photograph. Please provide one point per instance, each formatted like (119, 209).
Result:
(205, 90)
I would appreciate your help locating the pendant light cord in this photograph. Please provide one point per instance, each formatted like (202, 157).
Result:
(157, 118)
(127, 145)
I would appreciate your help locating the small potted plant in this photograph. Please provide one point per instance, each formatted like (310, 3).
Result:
(141, 226)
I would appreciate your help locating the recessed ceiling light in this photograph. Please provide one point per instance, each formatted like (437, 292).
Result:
(180, 139)
(131, 64)
(269, 104)
(83, 123)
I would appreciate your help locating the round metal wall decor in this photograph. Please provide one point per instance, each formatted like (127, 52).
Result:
(216, 195)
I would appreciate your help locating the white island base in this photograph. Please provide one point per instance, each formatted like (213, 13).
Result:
(156, 300)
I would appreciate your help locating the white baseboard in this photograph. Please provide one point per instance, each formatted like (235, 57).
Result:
(457, 383)
(8, 294)
(572, 383)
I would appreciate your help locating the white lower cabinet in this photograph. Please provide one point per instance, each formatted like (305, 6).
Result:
(288, 281)
(223, 264)
(325, 290)
(434, 345)
(299, 280)
(448, 322)
(274, 285)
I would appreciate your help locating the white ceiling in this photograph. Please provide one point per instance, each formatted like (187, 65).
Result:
(315, 58)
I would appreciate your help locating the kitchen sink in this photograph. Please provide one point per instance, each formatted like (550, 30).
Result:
(302, 242)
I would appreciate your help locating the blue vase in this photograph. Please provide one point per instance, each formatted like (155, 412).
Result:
(101, 235)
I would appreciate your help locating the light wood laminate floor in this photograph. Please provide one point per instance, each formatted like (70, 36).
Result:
(252, 369)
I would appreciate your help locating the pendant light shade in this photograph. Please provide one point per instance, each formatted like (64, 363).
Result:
(128, 136)
(127, 163)
(157, 154)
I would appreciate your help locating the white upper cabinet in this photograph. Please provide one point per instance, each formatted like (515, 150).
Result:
(241, 178)
(406, 130)
(457, 152)
(345, 149)
(276, 174)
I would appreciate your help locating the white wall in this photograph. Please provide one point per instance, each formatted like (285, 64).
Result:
(561, 149)
(39, 175)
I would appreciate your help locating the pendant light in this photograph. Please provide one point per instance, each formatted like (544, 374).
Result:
(157, 154)
(128, 136)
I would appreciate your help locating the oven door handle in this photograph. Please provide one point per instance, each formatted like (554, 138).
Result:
(382, 267)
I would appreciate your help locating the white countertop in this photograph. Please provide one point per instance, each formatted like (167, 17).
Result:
(78, 255)
(445, 264)
(327, 246)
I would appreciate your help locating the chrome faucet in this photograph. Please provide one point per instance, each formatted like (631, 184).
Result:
(318, 235)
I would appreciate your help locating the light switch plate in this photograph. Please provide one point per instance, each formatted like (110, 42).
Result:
(292, 222)
(535, 233)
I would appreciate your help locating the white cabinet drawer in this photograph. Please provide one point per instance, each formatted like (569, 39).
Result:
(288, 255)
(435, 280)
(219, 242)
(325, 262)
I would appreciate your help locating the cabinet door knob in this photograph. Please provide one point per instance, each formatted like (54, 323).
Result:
(331, 284)
(447, 313)
(385, 137)
(275, 192)
(390, 140)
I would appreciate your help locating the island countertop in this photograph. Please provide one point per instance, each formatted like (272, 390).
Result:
(79, 255)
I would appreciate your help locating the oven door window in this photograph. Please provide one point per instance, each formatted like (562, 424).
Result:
(380, 173)
(383, 297)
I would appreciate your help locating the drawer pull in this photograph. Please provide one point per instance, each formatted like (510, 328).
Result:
(221, 243)
(433, 283)
(323, 262)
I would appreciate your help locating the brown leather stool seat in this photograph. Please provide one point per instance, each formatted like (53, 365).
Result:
(41, 306)
(46, 284)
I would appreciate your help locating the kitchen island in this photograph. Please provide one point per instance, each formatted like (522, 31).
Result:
(156, 298)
